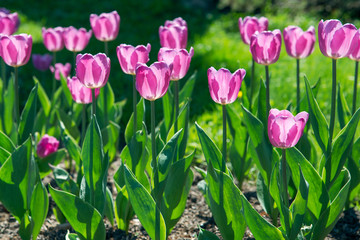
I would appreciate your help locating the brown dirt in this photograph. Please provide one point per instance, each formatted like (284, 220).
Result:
(196, 214)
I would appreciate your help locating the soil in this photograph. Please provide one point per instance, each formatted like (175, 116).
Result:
(196, 214)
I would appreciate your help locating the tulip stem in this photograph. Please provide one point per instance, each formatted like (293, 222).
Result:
(74, 68)
(93, 110)
(134, 104)
(252, 84)
(298, 85)
(284, 178)
(267, 89)
(3, 71)
(106, 47)
(83, 124)
(54, 80)
(155, 172)
(224, 138)
(355, 86)
(176, 102)
(16, 102)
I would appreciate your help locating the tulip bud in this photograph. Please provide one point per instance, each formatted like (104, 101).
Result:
(224, 87)
(152, 82)
(41, 62)
(9, 23)
(53, 39)
(179, 59)
(336, 40)
(46, 146)
(76, 40)
(61, 69)
(130, 56)
(79, 92)
(92, 71)
(284, 129)
(265, 46)
(106, 26)
(174, 34)
(250, 25)
(15, 49)
(299, 44)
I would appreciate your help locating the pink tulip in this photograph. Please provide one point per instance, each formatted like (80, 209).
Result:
(46, 146)
(299, 44)
(106, 26)
(250, 25)
(179, 59)
(15, 49)
(9, 23)
(61, 69)
(265, 46)
(224, 87)
(284, 129)
(153, 82)
(53, 39)
(174, 34)
(354, 53)
(41, 62)
(130, 56)
(79, 92)
(336, 40)
(76, 40)
(92, 71)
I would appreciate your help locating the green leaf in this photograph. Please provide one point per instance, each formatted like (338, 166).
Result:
(9, 97)
(26, 226)
(111, 138)
(6, 143)
(38, 208)
(84, 218)
(186, 91)
(317, 119)
(4, 155)
(17, 179)
(64, 181)
(71, 236)
(123, 209)
(65, 90)
(105, 92)
(344, 113)
(69, 124)
(206, 235)
(262, 114)
(72, 148)
(225, 204)
(28, 115)
(168, 109)
(53, 159)
(144, 206)
(43, 98)
(109, 207)
(129, 131)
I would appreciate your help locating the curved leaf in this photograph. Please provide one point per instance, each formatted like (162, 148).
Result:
(39, 207)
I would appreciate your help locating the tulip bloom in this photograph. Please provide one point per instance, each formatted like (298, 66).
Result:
(153, 82)
(76, 40)
(61, 69)
(92, 71)
(224, 87)
(174, 34)
(179, 59)
(106, 26)
(250, 25)
(284, 129)
(79, 92)
(130, 56)
(355, 55)
(53, 39)
(46, 146)
(299, 44)
(41, 62)
(15, 49)
(265, 47)
(9, 23)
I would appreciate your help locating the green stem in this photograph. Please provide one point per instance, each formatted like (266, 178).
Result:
(54, 80)
(224, 138)
(155, 169)
(83, 124)
(93, 110)
(74, 59)
(298, 85)
(284, 179)
(267, 89)
(134, 104)
(3, 71)
(16, 102)
(106, 47)
(252, 83)
(176, 102)
(355, 86)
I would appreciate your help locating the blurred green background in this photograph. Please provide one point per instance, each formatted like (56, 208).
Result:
(214, 34)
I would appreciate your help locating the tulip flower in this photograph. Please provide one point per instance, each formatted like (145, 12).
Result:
(76, 40)
(41, 62)
(46, 146)
(53, 39)
(129, 57)
(60, 68)
(9, 23)
(284, 131)
(174, 34)
(106, 26)
(265, 48)
(93, 72)
(79, 92)
(299, 44)
(15, 51)
(250, 25)
(354, 54)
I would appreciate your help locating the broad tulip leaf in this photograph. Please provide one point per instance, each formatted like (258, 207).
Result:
(123, 209)
(109, 207)
(28, 115)
(26, 226)
(64, 181)
(317, 119)
(186, 91)
(129, 131)
(144, 206)
(225, 204)
(206, 235)
(72, 148)
(344, 114)
(84, 218)
(6, 143)
(43, 98)
(111, 138)
(65, 90)
(69, 124)
(107, 93)
(71, 236)
(9, 98)
(4, 155)
(53, 159)
(169, 110)
(39, 207)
